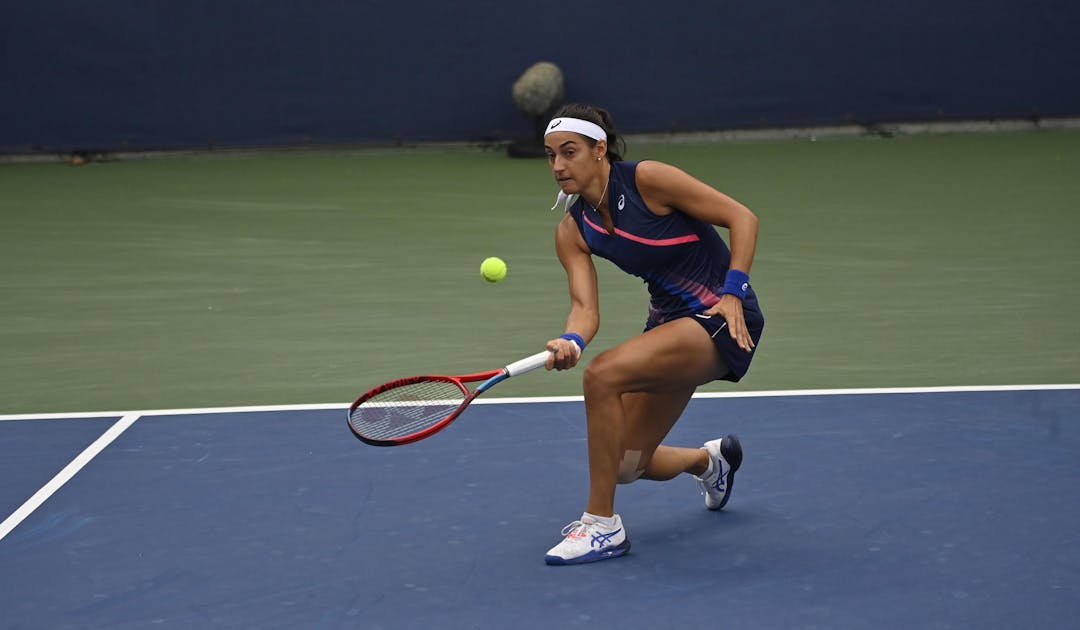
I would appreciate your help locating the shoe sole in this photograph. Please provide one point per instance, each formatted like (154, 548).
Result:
(731, 451)
(593, 556)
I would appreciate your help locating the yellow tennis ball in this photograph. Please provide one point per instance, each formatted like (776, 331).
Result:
(493, 269)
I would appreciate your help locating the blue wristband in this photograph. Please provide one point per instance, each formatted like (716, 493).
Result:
(736, 283)
(576, 338)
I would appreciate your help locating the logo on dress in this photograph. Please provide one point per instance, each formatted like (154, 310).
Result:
(622, 201)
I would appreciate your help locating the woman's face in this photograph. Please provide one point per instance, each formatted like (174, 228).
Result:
(573, 162)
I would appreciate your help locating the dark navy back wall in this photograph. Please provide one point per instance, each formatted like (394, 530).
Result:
(157, 74)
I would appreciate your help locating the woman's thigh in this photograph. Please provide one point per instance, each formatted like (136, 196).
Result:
(671, 357)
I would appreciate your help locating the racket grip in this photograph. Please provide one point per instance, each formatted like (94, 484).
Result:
(528, 364)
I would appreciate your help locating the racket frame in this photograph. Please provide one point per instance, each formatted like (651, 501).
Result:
(489, 378)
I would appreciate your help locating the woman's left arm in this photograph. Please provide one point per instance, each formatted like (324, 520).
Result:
(666, 189)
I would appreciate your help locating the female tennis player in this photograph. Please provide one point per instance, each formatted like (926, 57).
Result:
(656, 222)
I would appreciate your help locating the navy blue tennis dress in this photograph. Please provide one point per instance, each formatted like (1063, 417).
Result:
(682, 260)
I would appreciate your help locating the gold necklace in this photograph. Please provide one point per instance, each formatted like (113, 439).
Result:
(602, 195)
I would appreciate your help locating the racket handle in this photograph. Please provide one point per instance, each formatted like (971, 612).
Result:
(528, 364)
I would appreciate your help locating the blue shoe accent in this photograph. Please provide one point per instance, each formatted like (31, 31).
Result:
(593, 556)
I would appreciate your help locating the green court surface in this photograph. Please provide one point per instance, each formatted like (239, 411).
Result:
(307, 277)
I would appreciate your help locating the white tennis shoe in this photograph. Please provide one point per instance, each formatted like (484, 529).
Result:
(589, 541)
(725, 457)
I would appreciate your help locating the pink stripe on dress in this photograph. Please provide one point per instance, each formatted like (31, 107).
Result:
(678, 240)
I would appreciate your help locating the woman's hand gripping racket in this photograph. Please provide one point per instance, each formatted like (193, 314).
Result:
(410, 409)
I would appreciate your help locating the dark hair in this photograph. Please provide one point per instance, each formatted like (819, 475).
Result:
(616, 146)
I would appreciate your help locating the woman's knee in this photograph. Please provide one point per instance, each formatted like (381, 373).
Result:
(602, 374)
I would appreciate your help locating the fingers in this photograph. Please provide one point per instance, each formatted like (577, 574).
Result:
(564, 354)
(730, 307)
(740, 334)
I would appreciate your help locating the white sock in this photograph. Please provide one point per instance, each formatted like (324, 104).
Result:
(606, 521)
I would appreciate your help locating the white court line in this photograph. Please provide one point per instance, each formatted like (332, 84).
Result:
(891, 390)
(547, 399)
(65, 475)
(813, 392)
(169, 412)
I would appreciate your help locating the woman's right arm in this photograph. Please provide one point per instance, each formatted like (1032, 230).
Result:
(584, 318)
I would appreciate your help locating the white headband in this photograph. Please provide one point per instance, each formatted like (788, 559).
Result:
(577, 125)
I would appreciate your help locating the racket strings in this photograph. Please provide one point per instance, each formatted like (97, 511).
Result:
(406, 409)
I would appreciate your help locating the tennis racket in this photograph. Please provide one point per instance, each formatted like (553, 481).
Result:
(410, 409)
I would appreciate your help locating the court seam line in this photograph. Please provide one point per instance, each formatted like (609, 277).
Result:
(549, 399)
(66, 473)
